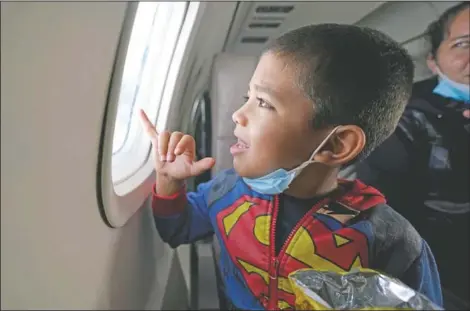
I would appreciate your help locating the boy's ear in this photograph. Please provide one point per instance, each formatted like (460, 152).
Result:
(344, 146)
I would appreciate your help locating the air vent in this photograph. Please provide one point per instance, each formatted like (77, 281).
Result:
(264, 25)
(274, 9)
(268, 18)
(254, 39)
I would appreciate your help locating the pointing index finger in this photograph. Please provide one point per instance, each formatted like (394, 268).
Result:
(148, 126)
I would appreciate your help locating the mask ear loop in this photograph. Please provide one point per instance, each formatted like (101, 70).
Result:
(440, 74)
(314, 153)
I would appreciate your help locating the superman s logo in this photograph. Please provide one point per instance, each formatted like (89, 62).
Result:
(319, 247)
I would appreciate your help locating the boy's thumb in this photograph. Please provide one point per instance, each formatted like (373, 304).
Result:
(202, 165)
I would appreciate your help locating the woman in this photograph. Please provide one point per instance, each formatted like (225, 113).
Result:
(423, 168)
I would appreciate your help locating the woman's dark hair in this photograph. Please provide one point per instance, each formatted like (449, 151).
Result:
(439, 29)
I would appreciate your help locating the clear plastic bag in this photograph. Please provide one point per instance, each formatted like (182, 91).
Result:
(362, 289)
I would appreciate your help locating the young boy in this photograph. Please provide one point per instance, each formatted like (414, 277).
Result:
(321, 97)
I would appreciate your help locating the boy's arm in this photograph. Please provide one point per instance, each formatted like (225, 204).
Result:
(182, 218)
(399, 251)
(423, 275)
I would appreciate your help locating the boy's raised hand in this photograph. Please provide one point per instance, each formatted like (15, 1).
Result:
(174, 153)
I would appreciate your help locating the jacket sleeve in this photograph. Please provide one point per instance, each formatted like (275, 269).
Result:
(423, 276)
(399, 251)
(182, 218)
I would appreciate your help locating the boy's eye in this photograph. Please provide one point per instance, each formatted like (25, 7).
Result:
(263, 104)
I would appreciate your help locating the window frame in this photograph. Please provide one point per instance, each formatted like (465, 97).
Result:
(119, 201)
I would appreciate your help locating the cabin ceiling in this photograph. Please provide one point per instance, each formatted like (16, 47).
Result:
(257, 22)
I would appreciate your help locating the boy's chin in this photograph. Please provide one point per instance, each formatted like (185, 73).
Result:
(244, 170)
(240, 170)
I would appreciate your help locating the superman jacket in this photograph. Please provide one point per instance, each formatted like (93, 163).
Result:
(354, 228)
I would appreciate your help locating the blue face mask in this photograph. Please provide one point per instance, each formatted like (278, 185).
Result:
(451, 89)
(278, 181)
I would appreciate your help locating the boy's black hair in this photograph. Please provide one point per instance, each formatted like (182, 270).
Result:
(353, 75)
(438, 30)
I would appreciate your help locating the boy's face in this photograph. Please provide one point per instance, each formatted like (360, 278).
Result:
(272, 126)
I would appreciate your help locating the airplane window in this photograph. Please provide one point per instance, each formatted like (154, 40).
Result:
(154, 37)
(151, 65)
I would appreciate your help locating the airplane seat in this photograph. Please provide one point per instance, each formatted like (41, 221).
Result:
(231, 75)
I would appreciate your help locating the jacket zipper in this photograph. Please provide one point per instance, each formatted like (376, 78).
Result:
(274, 260)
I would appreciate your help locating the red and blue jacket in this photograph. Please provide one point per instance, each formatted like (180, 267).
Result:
(353, 228)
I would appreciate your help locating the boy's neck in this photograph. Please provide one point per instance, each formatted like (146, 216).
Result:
(313, 181)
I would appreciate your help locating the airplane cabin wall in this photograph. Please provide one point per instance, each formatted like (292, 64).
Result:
(56, 250)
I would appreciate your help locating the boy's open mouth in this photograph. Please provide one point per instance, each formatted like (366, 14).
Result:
(242, 144)
(239, 146)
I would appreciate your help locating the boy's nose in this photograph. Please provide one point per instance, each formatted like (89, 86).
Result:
(239, 118)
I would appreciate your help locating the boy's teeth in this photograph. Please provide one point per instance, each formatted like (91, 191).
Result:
(242, 145)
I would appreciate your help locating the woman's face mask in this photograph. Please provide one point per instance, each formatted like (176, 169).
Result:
(451, 89)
